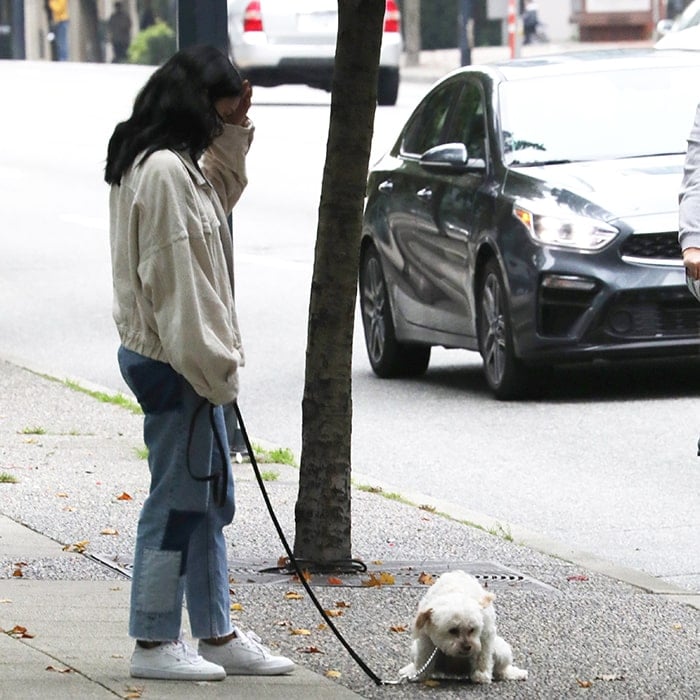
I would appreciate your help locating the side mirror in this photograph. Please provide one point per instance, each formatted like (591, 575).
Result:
(664, 26)
(450, 157)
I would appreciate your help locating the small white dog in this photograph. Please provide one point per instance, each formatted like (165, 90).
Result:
(455, 631)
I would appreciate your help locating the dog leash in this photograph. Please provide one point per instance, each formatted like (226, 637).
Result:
(297, 568)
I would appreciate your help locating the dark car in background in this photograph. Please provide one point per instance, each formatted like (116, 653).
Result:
(529, 210)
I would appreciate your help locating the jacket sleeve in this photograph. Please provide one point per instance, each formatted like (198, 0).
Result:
(193, 322)
(223, 163)
(689, 198)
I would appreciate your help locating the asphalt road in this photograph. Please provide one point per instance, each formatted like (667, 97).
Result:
(605, 462)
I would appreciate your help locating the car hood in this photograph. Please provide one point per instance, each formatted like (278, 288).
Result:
(632, 189)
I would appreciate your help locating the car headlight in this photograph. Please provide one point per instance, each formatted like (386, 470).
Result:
(571, 231)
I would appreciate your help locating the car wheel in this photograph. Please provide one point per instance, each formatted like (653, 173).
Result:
(505, 374)
(388, 86)
(388, 356)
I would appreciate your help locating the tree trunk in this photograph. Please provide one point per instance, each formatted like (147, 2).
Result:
(323, 518)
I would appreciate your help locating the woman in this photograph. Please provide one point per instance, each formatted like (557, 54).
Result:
(176, 168)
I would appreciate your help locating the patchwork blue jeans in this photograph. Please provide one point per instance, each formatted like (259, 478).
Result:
(180, 546)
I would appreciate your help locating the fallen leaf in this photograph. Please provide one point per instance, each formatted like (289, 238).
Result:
(577, 577)
(322, 626)
(335, 581)
(398, 628)
(70, 509)
(283, 562)
(19, 632)
(79, 547)
(383, 579)
(377, 562)
(341, 604)
(236, 607)
(124, 496)
(134, 691)
(584, 684)
(293, 595)
(308, 576)
(426, 579)
(17, 573)
(333, 674)
(300, 631)
(109, 531)
(58, 670)
(309, 650)
(5, 600)
(676, 625)
(430, 509)
(61, 495)
(333, 613)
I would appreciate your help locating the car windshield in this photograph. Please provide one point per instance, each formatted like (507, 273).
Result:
(688, 18)
(615, 114)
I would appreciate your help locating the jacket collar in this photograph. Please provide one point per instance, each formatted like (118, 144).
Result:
(193, 170)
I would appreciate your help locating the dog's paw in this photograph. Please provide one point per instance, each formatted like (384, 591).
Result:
(408, 671)
(480, 677)
(513, 673)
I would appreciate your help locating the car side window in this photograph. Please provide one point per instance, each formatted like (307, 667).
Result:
(425, 129)
(468, 124)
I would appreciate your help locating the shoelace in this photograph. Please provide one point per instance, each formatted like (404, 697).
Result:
(253, 640)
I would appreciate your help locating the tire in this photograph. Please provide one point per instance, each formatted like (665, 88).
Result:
(505, 374)
(388, 87)
(388, 356)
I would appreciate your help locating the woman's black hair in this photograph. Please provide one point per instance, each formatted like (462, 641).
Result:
(175, 109)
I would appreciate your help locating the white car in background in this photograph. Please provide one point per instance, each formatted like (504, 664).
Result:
(683, 32)
(279, 42)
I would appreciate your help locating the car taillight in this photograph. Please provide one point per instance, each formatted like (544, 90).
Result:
(392, 17)
(252, 17)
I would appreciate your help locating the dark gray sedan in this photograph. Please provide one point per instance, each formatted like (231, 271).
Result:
(529, 210)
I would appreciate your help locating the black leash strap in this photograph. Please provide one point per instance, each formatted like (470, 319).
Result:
(295, 563)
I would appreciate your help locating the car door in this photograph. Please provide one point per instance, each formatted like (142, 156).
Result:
(412, 220)
(442, 211)
(463, 204)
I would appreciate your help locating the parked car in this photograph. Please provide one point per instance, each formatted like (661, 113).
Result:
(529, 210)
(277, 42)
(690, 17)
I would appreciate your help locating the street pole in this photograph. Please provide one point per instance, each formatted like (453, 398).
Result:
(512, 29)
(202, 22)
(465, 33)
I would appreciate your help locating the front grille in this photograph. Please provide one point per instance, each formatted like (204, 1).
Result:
(652, 247)
(643, 315)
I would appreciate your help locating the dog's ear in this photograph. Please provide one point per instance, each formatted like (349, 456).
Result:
(486, 599)
(423, 618)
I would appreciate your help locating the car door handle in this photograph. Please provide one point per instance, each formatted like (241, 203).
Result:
(426, 194)
(386, 187)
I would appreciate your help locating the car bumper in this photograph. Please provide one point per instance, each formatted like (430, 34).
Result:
(254, 52)
(623, 310)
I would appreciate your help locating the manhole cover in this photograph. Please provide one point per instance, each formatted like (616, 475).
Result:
(395, 573)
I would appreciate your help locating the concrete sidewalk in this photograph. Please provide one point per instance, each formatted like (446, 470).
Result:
(67, 528)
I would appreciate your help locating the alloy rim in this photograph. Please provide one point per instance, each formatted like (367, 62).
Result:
(374, 303)
(494, 330)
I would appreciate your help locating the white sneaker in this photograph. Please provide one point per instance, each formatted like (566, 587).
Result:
(173, 661)
(244, 655)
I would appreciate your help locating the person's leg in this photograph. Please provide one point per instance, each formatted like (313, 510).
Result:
(61, 38)
(207, 582)
(176, 426)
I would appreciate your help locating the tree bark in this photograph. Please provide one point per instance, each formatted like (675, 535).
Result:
(323, 508)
